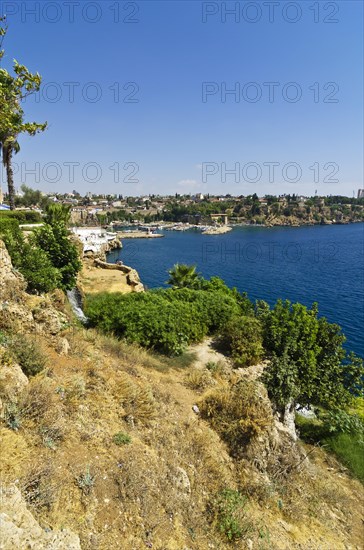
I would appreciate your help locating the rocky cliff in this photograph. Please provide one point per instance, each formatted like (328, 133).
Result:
(111, 447)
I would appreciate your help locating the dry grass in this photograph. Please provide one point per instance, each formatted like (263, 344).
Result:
(238, 412)
(134, 489)
(136, 400)
(42, 412)
(198, 379)
(38, 487)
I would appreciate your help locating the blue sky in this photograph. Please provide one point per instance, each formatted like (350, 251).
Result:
(172, 129)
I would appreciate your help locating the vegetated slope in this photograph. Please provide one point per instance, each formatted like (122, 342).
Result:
(104, 442)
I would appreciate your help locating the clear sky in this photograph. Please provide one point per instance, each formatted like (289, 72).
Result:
(134, 95)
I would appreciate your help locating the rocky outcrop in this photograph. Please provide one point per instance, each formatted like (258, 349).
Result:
(20, 311)
(132, 275)
(19, 529)
(48, 320)
(11, 282)
(12, 378)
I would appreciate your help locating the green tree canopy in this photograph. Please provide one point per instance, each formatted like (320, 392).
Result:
(14, 88)
(184, 276)
(57, 213)
(308, 362)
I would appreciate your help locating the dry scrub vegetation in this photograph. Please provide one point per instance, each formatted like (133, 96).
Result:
(104, 441)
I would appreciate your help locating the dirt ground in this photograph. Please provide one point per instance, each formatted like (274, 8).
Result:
(96, 279)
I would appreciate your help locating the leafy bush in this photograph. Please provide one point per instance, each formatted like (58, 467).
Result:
(32, 262)
(242, 338)
(237, 413)
(54, 241)
(47, 260)
(342, 422)
(121, 439)
(214, 307)
(22, 216)
(349, 449)
(340, 433)
(165, 320)
(231, 520)
(27, 353)
(8, 224)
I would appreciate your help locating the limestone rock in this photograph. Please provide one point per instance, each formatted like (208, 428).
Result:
(19, 529)
(49, 320)
(12, 378)
(181, 481)
(133, 280)
(63, 346)
(11, 282)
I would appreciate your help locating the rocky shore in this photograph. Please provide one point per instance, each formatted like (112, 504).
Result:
(217, 230)
(138, 235)
(99, 276)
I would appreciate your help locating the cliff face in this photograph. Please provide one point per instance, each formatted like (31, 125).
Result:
(19, 529)
(22, 312)
(110, 447)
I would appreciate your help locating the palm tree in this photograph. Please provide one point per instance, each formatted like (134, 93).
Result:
(9, 145)
(58, 213)
(184, 276)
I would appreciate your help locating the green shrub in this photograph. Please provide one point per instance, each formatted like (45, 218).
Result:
(349, 449)
(231, 519)
(8, 225)
(32, 262)
(165, 320)
(62, 253)
(47, 260)
(86, 481)
(340, 433)
(27, 353)
(4, 338)
(148, 320)
(342, 422)
(12, 416)
(242, 338)
(22, 216)
(121, 439)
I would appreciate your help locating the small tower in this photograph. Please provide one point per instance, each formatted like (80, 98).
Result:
(1, 195)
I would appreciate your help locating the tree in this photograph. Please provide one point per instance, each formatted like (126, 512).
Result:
(13, 90)
(54, 240)
(32, 262)
(242, 336)
(308, 363)
(184, 276)
(57, 213)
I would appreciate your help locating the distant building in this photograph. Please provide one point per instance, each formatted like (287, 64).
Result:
(360, 193)
(1, 196)
(219, 218)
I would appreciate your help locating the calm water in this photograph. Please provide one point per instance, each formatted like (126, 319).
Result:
(306, 264)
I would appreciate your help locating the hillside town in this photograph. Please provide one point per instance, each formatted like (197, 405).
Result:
(198, 209)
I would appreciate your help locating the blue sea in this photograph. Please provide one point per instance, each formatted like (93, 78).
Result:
(323, 264)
